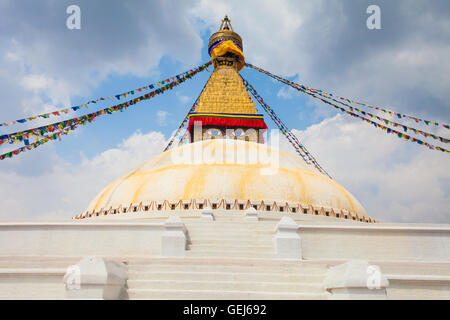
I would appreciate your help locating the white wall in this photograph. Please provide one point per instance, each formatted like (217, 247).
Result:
(75, 238)
(376, 242)
(321, 240)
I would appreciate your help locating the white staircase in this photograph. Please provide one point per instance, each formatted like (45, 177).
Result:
(33, 278)
(229, 258)
(230, 236)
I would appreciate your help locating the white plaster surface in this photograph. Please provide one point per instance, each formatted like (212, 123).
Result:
(230, 258)
(287, 240)
(96, 278)
(251, 214)
(174, 241)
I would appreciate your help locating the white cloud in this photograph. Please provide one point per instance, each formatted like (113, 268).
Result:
(56, 64)
(34, 82)
(285, 93)
(183, 98)
(162, 115)
(395, 180)
(64, 189)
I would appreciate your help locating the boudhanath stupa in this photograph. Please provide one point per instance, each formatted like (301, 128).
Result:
(224, 215)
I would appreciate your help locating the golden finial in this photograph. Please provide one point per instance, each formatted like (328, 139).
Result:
(226, 33)
(226, 24)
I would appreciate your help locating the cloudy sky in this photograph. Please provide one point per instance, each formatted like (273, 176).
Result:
(124, 45)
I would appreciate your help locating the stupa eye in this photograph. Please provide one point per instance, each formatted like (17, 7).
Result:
(213, 132)
(238, 133)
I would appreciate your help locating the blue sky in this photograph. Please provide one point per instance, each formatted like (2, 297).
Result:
(144, 116)
(109, 130)
(128, 44)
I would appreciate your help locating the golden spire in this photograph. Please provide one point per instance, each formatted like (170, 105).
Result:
(225, 93)
(225, 103)
(226, 24)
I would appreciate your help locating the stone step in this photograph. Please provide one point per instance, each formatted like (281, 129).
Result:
(170, 294)
(231, 234)
(230, 219)
(238, 254)
(226, 276)
(233, 242)
(241, 239)
(254, 286)
(211, 234)
(35, 264)
(228, 269)
(416, 268)
(225, 247)
(225, 237)
(32, 291)
(236, 220)
(229, 229)
(242, 222)
(230, 224)
(31, 272)
(252, 268)
(221, 217)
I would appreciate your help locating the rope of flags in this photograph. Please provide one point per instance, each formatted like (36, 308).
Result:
(113, 97)
(388, 122)
(350, 112)
(20, 136)
(47, 138)
(186, 119)
(55, 130)
(299, 148)
(384, 128)
(392, 123)
(329, 95)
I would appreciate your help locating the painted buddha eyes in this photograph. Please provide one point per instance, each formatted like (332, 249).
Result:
(214, 132)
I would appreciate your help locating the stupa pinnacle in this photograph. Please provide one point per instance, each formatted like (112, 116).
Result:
(225, 109)
(225, 46)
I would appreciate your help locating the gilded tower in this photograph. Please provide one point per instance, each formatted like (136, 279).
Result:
(225, 109)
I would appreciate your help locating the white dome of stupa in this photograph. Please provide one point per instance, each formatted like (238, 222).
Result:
(225, 171)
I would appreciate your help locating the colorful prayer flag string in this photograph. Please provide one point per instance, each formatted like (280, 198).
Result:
(384, 128)
(330, 95)
(53, 131)
(116, 96)
(34, 145)
(365, 113)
